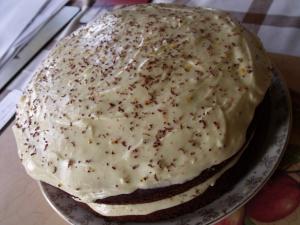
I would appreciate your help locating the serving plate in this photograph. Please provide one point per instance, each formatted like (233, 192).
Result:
(261, 160)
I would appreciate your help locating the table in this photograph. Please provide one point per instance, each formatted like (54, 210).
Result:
(21, 201)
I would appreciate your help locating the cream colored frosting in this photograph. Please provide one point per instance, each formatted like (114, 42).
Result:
(150, 207)
(143, 97)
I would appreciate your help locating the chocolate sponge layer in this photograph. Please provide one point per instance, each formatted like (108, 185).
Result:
(155, 194)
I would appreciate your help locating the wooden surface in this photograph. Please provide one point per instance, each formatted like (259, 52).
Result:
(290, 68)
(21, 201)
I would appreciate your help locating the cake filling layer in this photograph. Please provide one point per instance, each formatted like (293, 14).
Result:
(149, 195)
(150, 207)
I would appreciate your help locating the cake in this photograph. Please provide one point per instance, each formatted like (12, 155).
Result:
(139, 113)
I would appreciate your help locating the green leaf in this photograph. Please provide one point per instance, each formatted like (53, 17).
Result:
(248, 221)
(291, 156)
